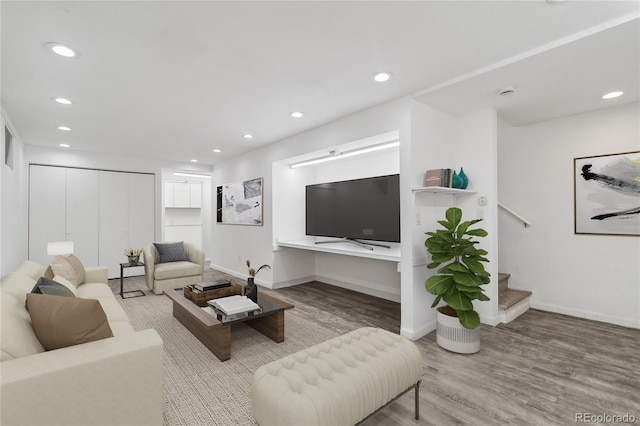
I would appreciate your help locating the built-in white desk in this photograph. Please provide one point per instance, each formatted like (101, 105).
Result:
(346, 248)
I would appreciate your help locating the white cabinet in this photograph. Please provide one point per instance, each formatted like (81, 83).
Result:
(168, 194)
(182, 213)
(195, 193)
(102, 212)
(183, 194)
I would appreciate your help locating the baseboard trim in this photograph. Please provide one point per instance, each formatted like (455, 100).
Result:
(419, 332)
(291, 283)
(594, 316)
(242, 277)
(359, 288)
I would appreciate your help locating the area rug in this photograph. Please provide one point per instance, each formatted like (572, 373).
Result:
(199, 389)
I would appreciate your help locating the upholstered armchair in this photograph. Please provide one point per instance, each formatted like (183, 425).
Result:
(172, 265)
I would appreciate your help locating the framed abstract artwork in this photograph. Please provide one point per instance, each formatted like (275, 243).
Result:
(607, 194)
(240, 203)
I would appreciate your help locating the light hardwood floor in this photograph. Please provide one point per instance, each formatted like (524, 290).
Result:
(541, 369)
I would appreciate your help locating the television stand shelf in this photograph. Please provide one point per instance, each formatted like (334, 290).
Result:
(343, 247)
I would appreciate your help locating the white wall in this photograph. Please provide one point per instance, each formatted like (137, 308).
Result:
(590, 276)
(13, 205)
(256, 242)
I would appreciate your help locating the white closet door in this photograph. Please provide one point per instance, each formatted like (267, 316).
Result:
(82, 207)
(114, 217)
(46, 210)
(141, 214)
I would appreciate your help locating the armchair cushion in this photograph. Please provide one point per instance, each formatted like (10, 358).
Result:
(170, 252)
(170, 270)
(59, 321)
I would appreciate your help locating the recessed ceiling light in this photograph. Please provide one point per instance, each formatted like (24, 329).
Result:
(62, 50)
(247, 136)
(381, 77)
(65, 128)
(63, 101)
(612, 95)
(297, 114)
(194, 160)
(216, 150)
(65, 145)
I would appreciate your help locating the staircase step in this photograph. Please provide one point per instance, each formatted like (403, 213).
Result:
(509, 297)
(503, 281)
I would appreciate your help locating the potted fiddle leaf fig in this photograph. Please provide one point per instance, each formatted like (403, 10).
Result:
(458, 281)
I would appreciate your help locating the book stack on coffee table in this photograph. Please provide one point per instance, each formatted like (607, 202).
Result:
(234, 307)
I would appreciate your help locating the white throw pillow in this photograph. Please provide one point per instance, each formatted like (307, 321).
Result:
(67, 284)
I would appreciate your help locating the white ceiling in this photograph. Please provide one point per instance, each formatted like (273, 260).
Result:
(176, 79)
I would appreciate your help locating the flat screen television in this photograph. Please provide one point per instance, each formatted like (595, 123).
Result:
(366, 209)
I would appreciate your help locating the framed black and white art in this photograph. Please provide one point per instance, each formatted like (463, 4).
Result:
(240, 203)
(607, 194)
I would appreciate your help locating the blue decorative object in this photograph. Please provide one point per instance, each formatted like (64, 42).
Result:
(465, 179)
(456, 181)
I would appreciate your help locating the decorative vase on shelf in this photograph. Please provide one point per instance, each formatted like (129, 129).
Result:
(133, 260)
(465, 179)
(456, 181)
(251, 290)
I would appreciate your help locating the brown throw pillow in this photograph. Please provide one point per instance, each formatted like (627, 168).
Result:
(59, 321)
(48, 273)
(69, 268)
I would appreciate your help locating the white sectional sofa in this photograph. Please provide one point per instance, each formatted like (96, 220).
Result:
(113, 381)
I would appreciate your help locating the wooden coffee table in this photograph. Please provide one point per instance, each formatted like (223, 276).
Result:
(216, 335)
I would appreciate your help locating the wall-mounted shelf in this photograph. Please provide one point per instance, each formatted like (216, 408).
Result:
(442, 190)
(345, 248)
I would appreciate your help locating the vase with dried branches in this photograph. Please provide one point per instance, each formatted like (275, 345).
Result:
(251, 290)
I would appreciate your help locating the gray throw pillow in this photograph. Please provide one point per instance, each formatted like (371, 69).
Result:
(50, 287)
(170, 252)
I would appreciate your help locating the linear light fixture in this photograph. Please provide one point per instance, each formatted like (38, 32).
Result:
(334, 155)
(192, 175)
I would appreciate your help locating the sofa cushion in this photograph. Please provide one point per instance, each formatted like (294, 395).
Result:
(113, 309)
(166, 271)
(121, 328)
(170, 252)
(30, 269)
(59, 322)
(94, 291)
(17, 338)
(70, 268)
(17, 285)
(54, 288)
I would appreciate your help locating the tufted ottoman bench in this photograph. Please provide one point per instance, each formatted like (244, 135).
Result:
(339, 382)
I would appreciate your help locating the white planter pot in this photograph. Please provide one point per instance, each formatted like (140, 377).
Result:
(452, 336)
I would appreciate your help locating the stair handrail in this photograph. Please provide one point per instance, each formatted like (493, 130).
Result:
(514, 214)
